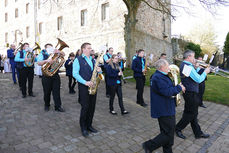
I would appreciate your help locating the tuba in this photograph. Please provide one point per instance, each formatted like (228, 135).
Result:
(50, 69)
(174, 72)
(30, 55)
(96, 77)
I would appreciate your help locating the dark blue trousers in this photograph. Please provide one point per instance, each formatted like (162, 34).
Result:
(13, 68)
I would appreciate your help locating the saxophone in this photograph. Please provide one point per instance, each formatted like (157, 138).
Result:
(96, 77)
(174, 71)
(146, 66)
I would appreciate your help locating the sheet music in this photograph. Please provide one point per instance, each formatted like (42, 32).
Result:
(187, 70)
(205, 57)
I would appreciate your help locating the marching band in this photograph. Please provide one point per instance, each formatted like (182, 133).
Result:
(83, 66)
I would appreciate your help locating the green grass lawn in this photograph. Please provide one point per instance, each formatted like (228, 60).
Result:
(217, 87)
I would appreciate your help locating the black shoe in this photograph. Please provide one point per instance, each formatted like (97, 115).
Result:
(143, 104)
(108, 96)
(113, 112)
(46, 108)
(23, 96)
(202, 136)
(85, 133)
(32, 95)
(203, 106)
(59, 109)
(145, 148)
(93, 130)
(180, 135)
(15, 82)
(125, 112)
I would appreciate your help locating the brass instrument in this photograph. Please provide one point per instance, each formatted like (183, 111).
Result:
(50, 69)
(19, 47)
(30, 55)
(96, 77)
(174, 72)
(146, 66)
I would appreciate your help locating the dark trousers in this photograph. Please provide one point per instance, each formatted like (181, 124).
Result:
(51, 84)
(201, 92)
(13, 68)
(140, 83)
(27, 73)
(190, 113)
(87, 103)
(19, 77)
(107, 87)
(166, 138)
(71, 85)
(116, 89)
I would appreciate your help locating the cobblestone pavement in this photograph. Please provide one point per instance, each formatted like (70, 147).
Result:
(25, 127)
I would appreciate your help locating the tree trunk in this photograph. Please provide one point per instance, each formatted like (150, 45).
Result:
(130, 27)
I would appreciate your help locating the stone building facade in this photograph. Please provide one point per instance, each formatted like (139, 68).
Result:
(76, 21)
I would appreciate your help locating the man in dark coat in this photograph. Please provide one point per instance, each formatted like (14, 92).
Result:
(162, 99)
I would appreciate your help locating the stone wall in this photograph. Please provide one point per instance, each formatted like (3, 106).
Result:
(149, 34)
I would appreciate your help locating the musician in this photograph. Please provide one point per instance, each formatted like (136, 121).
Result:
(162, 92)
(83, 67)
(78, 53)
(107, 58)
(11, 56)
(92, 54)
(68, 65)
(121, 61)
(201, 85)
(163, 56)
(114, 74)
(136, 55)
(26, 73)
(138, 66)
(50, 83)
(191, 82)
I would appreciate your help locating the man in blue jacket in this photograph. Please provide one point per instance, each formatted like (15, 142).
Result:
(162, 99)
(138, 66)
(191, 82)
(11, 56)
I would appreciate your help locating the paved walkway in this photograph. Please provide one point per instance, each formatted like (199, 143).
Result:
(25, 127)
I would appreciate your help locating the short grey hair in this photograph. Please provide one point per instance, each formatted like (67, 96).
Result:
(188, 53)
(160, 63)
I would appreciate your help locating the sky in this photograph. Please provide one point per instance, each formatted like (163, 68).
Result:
(184, 22)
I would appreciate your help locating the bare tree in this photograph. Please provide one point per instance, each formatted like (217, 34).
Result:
(163, 6)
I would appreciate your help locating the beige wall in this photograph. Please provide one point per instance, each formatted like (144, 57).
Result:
(149, 34)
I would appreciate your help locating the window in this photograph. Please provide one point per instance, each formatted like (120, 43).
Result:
(16, 12)
(105, 11)
(27, 32)
(40, 27)
(83, 17)
(6, 3)
(6, 17)
(15, 36)
(6, 37)
(59, 23)
(39, 4)
(27, 8)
